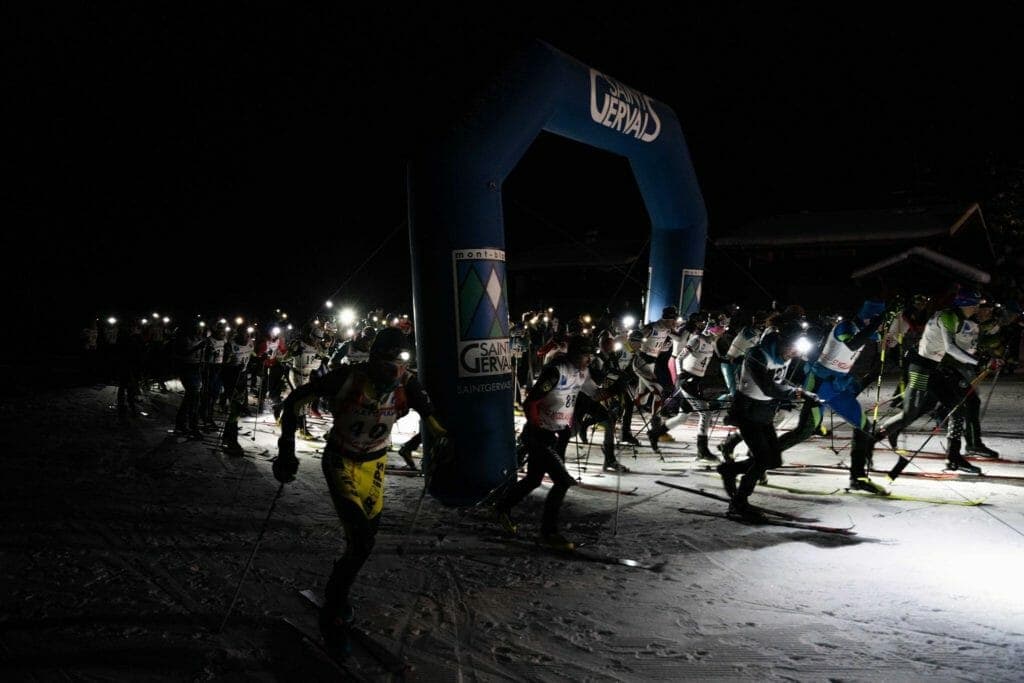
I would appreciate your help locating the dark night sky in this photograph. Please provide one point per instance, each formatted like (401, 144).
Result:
(248, 157)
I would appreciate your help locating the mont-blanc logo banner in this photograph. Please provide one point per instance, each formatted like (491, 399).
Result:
(622, 108)
(482, 304)
(689, 299)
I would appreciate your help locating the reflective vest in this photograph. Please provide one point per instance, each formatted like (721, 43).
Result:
(656, 340)
(837, 356)
(239, 354)
(305, 359)
(699, 350)
(743, 342)
(748, 387)
(967, 336)
(215, 351)
(362, 424)
(557, 406)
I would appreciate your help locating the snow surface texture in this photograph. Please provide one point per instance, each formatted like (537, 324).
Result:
(121, 550)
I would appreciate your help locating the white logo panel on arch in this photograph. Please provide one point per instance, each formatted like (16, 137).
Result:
(481, 301)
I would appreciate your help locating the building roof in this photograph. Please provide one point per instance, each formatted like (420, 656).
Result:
(846, 227)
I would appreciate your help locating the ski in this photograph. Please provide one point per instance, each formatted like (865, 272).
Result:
(772, 521)
(598, 487)
(343, 669)
(390, 661)
(935, 455)
(584, 554)
(889, 496)
(946, 475)
(714, 496)
(403, 471)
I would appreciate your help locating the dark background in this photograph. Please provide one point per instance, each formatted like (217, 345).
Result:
(240, 158)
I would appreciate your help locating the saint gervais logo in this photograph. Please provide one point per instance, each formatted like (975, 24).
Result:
(620, 107)
(482, 334)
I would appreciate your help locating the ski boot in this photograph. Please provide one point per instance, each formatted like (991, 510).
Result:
(956, 462)
(307, 435)
(703, 452)
(741, 509)
(628, 438)
(334, 628)
(868, 486)
(505, 522)
(728, 479)
(229, 440)
(556, 541)
(406, 452)
(615, 466)
(979, 448)
(729, 445)
(653, 436)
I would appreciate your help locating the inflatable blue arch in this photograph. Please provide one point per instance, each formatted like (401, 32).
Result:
(457, 238)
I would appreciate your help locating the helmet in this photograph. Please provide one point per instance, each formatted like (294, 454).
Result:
(389, 344)
(670, 312)
(789, 333)
(870, 308)
(579, 346)
(368, 333)
(967, 297)
(389, 355)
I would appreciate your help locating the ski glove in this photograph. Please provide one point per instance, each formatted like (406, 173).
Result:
(812, 397)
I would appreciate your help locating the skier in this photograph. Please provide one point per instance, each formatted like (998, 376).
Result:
(606, 374)
(189, 347)
(744, 340)
(694, 360)
(238, 353)
(905, 332)
(270, 351)
(630, 346)
(366, 401)
(830, 377)
(303, 359)
(355, 350)
(939, 373)
(549, 413)
(988, 342)
(762, 386)
(212, 381)
(657, 339)
(129, 354)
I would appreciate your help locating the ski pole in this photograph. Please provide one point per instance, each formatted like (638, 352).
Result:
(991, 391)
(252, 556)
(428, 473)
(902, 463)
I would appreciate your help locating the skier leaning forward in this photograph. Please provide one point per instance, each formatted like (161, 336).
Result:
(762, 386)
(830, 378)
(366, 399)
(549, 411)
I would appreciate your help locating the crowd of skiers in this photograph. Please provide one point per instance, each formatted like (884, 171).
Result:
(735, 365)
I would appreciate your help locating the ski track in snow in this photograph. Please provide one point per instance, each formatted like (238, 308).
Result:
(120, 550)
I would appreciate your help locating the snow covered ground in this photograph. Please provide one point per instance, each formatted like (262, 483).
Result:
(120, 550)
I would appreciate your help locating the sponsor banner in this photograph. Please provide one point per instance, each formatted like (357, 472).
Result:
(622, 108)
(689, 292)
(482, 334)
